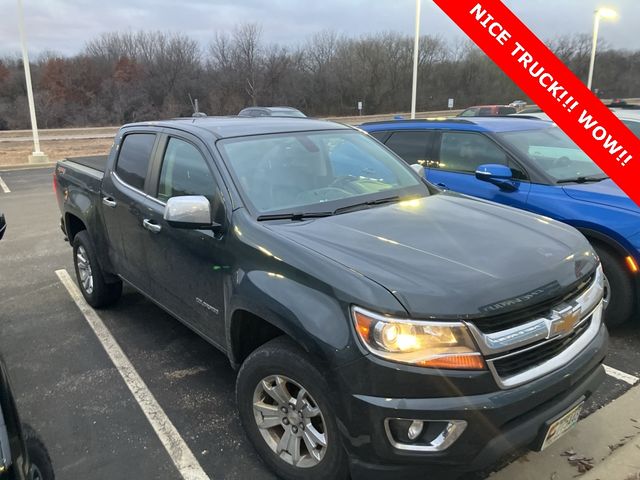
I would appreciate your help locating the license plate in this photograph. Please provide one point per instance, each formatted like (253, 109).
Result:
(561, 426)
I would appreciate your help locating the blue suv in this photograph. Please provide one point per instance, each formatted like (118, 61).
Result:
(530, 164)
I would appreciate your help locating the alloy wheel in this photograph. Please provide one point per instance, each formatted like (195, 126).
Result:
(84, 270)
(290, 421)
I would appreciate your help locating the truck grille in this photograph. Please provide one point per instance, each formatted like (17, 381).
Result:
(530, 357)
(513, 319)
(524, 350)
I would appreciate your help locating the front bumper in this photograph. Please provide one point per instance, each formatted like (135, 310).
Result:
(499, 422)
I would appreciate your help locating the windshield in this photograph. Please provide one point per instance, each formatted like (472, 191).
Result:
(316, 171)
(553, 151)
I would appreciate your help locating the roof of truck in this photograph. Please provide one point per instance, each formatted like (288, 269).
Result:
(233, 126)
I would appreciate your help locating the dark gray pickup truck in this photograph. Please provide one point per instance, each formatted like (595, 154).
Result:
(381, 328)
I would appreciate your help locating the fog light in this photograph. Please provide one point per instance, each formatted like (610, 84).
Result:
(415, 429)
(423, 435)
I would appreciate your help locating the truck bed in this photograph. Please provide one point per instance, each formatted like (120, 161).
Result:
(97, 162)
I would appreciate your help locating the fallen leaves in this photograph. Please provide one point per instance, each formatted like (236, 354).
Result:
(582, 463)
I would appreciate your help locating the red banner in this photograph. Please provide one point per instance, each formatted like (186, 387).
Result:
(550, 84)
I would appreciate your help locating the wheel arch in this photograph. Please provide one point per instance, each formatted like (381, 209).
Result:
(604, 239)
(73, 225)
(250, 325)
(243, 320)
(596, 237)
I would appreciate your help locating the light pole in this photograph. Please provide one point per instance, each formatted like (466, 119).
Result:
(416, 46)
(37, 156)
(598, 14)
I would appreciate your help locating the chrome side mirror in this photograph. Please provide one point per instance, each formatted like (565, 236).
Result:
(419, 169)
(191, 211)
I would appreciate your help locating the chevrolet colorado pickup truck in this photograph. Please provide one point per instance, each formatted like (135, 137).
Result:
(382, 328)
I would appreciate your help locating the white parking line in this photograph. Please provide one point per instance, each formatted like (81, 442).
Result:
(174, 444)
(4, 187)
(625, 377)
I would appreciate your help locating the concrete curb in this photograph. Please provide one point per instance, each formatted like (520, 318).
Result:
(594, 439)
(623, 464)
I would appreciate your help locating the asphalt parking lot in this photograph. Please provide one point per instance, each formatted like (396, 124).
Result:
(70, 390)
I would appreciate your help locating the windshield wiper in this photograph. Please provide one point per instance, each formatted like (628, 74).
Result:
(293, 216)
(582, 179)
(358, 206)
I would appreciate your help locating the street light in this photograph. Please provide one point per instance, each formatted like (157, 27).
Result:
(416, 46)
(607, 13)
(37, 156)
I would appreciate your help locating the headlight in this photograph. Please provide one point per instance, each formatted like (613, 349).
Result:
(422, 343)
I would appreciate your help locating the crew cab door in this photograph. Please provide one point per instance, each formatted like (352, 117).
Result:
(458, 154)
(123, 202)
(186, 267)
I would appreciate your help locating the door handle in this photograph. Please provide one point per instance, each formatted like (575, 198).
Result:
(109, 202)
(442, 185)
(152, 227)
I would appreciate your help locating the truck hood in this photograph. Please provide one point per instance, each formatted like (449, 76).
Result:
(450, 256)
(605, 192)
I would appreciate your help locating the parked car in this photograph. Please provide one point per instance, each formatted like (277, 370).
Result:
(631, 118)
(518, 104)
(488, 111)
(532, 165)
(23, 455)
(622, 104)
(271, 112)
(380, 326)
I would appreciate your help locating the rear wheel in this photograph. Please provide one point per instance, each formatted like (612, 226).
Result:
(95, 290)
(285, 410)
(619, 297)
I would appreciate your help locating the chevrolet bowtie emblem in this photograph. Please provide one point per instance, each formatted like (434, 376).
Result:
(564, 325)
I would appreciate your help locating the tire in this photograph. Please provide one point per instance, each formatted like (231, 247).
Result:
(618, 288)
(95, 290)
(41, 467)
(310, 409)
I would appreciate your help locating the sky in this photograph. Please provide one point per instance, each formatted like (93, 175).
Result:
(64, 26)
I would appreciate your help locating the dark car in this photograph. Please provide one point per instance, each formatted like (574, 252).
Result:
(488, 111)
(23, 455)
(271, 112)
(381, 327)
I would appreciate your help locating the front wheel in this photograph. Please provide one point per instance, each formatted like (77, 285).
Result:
(619, 297)
(285, 411)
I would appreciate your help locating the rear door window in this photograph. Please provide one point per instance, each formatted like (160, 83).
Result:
(380, 136)
(412, 147)
(133, 161)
